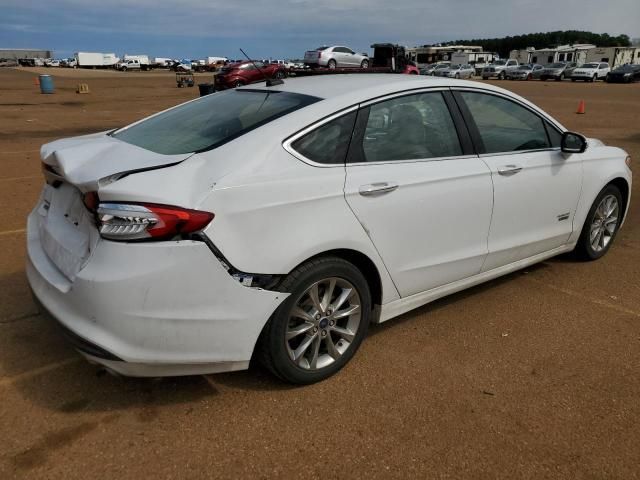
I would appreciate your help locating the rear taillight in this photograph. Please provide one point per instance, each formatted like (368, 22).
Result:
(124, 221)
(319, 54)
(91, 201)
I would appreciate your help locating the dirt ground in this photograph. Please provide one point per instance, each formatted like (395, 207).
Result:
(535, 375)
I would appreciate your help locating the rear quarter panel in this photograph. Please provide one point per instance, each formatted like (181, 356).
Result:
(273, 215)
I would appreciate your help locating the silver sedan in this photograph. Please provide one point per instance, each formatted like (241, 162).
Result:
(335, 57)
(457, 71)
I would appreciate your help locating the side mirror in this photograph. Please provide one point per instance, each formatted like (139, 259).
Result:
(573, 143)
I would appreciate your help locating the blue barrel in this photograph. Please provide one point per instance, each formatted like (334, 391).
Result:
(46, 84)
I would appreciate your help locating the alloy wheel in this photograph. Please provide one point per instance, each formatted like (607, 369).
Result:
(604, 223)
(323, 323)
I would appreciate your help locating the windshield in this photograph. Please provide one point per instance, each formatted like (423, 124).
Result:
(590, 65)
(525, 67)
(556, 65)
(211, 121)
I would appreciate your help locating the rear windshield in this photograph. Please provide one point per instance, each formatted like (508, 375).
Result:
(556, 65)
(211, 121)
(590, 65)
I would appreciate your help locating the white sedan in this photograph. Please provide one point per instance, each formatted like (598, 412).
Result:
(279, 221)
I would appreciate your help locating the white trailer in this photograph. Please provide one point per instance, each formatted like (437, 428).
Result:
(614, 56)
(162, 62)
(96, 60)
(143, 59)
(478, 60)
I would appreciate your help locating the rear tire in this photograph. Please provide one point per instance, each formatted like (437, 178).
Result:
(238, 83)
(332, 64)
(501, 76)
(601, 225)
(323, 340)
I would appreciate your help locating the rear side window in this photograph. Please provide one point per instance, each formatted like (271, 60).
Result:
(211, 121)
(505, 126)
(328, 143)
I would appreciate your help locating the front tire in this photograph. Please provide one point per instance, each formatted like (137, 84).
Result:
(501, 76)
(320, 326)
(364, 64)
(602, 224)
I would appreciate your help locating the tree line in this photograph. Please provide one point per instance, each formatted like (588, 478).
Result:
(544, 40)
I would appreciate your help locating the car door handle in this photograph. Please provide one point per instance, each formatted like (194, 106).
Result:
(377, 188)
(509, 170)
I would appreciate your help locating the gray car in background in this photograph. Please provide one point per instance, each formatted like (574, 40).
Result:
(525, 72)
(458, 71)
(558, 71)
(335, 57)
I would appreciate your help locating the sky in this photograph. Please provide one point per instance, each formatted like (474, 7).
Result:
(286, 28)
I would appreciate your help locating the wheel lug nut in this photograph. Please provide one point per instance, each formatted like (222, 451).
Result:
(318, 316)
(324, 333)
(332, 323)
(315, 329)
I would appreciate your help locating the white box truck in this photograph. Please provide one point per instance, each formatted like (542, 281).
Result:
(96, 60)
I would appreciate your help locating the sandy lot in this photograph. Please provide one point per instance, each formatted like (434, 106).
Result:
(535, 375)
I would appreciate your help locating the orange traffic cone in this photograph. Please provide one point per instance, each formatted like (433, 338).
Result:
(36, 81)
(581, 107)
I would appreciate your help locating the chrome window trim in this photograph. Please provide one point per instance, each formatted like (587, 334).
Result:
(542, 115)
(535, 111)
(286, 144)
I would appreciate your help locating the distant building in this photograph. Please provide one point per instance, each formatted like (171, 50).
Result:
(18, 53)
(579, 53)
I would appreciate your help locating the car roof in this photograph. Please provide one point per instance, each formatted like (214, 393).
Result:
(363, 86)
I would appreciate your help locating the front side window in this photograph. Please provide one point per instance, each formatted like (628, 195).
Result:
(329, 142)
(412, 127)
(505, 126)
(211, 121)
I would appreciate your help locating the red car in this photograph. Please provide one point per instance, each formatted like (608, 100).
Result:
(243, 73)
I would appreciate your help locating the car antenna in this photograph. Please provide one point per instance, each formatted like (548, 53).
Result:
(270, 81)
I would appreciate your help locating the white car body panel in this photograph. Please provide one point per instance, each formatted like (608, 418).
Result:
(525, 221)
(451, 224)
(445, 239)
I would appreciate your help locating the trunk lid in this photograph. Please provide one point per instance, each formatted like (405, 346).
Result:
(86, 161)
(66, 228)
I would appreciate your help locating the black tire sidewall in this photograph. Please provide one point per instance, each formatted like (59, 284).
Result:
(584, 245)
(296, 284)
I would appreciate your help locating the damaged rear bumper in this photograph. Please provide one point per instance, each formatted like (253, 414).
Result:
(153, 309)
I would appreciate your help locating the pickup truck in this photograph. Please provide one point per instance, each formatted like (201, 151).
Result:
(499, 69)
(131, 65)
